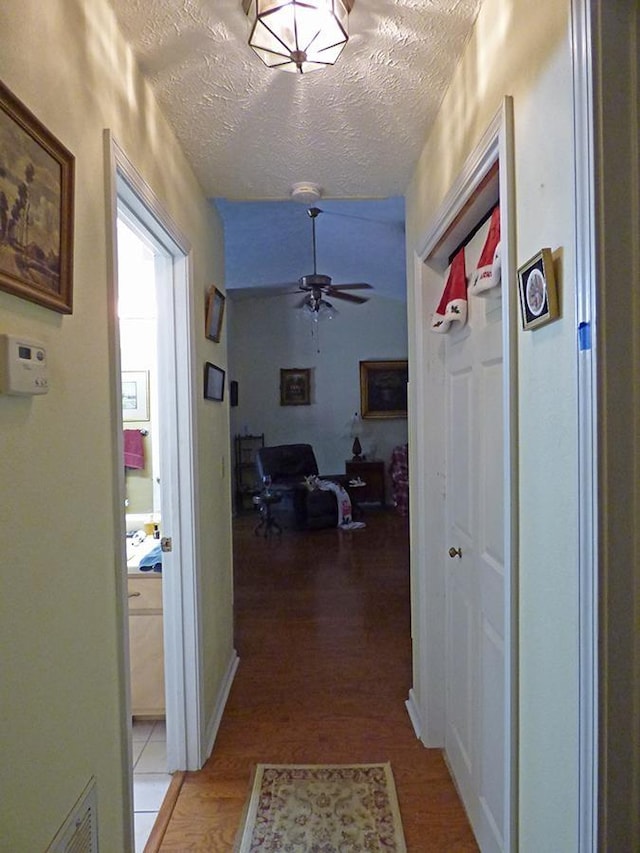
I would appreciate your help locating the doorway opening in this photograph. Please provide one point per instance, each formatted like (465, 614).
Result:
(138, 327)
(174, 500)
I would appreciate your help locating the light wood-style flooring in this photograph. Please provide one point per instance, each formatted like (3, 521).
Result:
(323, 636)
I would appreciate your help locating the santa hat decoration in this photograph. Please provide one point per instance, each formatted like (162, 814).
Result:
(487, 274)
(453, 303)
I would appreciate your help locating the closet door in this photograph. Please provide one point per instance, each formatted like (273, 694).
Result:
(475, 661)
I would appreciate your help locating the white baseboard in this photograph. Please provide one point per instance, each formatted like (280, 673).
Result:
(414, 714)
(214, 723)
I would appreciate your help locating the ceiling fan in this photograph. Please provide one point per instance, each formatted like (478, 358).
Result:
(316, 287)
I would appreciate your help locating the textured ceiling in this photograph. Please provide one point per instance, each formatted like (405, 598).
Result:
(250, 132)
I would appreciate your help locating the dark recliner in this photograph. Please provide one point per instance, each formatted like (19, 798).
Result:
(299, 509)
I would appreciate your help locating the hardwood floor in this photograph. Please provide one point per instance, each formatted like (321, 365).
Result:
(323, 635)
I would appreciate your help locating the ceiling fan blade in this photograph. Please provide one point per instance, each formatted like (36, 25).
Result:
(349, 297)
(361, 285)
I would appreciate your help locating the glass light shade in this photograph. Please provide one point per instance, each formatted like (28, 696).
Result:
(298, 35)
(317, 310)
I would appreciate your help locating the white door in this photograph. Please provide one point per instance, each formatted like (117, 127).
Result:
(475, 662)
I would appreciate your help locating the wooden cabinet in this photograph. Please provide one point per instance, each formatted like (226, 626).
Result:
(372, 472)
(146, 651)
(246, 477)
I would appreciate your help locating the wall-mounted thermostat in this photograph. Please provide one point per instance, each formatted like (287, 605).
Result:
(23, 366)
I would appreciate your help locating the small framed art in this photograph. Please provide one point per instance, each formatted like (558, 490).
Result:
(538, 293)
(215, 313)
(135, 395)
(295, 386)
(213, 382)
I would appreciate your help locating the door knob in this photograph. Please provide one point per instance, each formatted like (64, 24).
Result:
(455, 552)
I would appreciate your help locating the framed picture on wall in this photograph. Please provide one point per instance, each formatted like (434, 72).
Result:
(383, 388)
(215, 313)
(537, 287)
(213, 382)
(135, 395)
(36, 209)
(295, 386)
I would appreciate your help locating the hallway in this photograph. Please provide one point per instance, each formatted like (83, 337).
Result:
(323, 636)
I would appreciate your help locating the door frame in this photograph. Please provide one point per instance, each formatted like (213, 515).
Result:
(426, 703)
(182, 634)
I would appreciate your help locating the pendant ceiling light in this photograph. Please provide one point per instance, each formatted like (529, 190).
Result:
(298, 35)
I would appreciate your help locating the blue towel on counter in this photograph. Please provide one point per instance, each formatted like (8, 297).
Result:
(152, 560)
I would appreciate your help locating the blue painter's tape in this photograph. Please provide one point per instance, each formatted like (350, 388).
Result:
(584, 336)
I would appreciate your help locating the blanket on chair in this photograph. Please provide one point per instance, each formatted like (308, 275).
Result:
(345, 521)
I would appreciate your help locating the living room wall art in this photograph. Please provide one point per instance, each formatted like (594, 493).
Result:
(295, 386)
(36, 209)
(383, 388)
(215, 313)
(213, 382)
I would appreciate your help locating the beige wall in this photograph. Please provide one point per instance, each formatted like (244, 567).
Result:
(62, 686)
(522, 49)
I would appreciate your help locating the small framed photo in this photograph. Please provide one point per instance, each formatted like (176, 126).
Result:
(215, 313)
(213, 382)
(383, 388)
(36, 209)
(135, 395)
(538, 293)
(295, 386)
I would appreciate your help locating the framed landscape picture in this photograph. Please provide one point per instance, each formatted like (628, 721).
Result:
(383, 388)
(36, 209)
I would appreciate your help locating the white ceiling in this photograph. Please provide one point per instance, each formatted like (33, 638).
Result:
(250, 132)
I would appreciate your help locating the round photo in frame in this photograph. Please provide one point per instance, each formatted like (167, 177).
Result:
(538, 294)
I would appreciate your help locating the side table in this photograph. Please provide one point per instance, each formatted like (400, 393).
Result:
(267, 523)
(372, 472)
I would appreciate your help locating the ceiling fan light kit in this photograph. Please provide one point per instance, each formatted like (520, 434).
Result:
(317, 288)
(298, 35)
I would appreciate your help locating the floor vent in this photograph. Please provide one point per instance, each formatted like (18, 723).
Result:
(79, 832)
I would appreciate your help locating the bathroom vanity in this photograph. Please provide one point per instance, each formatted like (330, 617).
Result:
(146, 645)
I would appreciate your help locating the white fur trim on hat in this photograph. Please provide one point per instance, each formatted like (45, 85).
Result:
(487, 277)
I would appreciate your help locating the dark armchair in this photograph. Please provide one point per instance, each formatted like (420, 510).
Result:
(299, 508)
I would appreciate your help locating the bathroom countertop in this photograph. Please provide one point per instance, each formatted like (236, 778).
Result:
(134, 554)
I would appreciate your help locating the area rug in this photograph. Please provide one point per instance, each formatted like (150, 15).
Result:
(322, 808)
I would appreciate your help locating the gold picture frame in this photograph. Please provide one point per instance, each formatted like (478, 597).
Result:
(36, 209)
(215, 313)
(383, 388)
(538, 292)
(295, 386)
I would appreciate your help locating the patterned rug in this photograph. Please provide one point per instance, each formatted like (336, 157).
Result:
(322, 808)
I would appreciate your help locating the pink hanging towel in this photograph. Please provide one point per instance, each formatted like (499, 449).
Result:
(453, 303)
(487, 274)
(133, 449)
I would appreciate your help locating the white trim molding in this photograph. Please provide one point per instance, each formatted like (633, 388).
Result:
(216, 718)
(587, 417)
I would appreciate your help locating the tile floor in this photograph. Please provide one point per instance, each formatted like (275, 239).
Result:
(150, 777)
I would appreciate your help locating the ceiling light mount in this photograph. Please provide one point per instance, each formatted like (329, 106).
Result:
(305, 192)
(298, 35)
